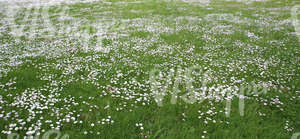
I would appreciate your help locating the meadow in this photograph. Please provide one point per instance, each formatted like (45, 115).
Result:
(149, 69)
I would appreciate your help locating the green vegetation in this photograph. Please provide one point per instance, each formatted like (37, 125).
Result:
(63, 83)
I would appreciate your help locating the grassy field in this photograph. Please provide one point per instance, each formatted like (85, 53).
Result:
(119, 69)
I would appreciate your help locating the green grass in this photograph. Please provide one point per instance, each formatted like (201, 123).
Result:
(148, 35)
